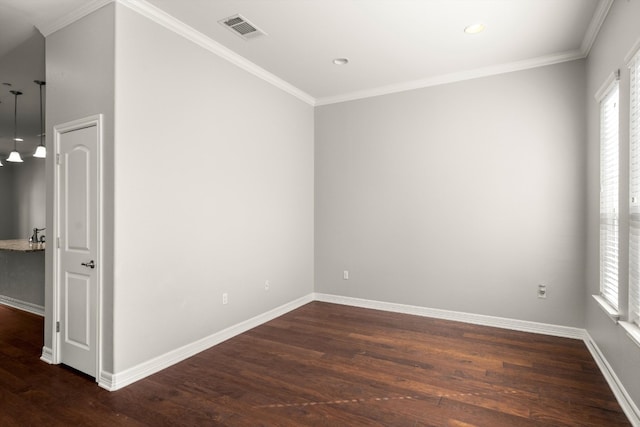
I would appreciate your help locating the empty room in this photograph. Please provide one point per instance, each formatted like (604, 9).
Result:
(320, 212)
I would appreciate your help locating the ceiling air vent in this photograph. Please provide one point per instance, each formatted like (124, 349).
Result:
(240, 26)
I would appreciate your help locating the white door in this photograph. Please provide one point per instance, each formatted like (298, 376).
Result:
(78, 181)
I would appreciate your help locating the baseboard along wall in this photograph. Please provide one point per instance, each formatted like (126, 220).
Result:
(114, 381)
(626, 403)
(22, 305)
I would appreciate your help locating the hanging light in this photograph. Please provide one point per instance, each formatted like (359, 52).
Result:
(41, 150)
(14, 156)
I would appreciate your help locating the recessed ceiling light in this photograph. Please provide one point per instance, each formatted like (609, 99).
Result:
(341, 61)
(474, 29)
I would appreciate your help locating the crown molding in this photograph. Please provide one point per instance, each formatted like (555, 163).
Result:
(162, 18)
(599, 16)
(48, 28)
(455, 77)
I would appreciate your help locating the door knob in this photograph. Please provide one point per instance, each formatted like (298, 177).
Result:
(89, 264)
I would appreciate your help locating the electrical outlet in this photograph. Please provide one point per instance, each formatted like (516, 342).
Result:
(225, 298)
(345, 275)
(267, 285)
(542, 291)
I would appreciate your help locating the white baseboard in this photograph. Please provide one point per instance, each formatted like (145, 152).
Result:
(626, 403)
(106, 381)
(476, 319)
(22, 305)
(47, 355)
(118, 380)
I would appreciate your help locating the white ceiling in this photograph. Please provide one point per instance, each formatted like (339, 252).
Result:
(392, 45)
(18, 18)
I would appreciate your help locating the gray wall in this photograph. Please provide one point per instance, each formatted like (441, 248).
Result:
(22, 276)
(460, 197)
(214, 193)
(211, 190)
(29, 193)
(22, 192)
(20, 67)
(618, 34)
(7, 212)
(80, 83)
(22, 185)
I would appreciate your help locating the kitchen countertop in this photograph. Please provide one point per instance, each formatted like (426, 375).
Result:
(21, 245)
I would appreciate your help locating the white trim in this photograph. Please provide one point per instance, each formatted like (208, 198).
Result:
(606, 307)
(22, 305)
(48, 28)
(476, 319)
(632, 53)
(117, 381)
(90, 121)
(106, 381)
(454, 77)
(121, 379)
(599, 16)
(162, 18)
(626, 402)
(606, 87)
(47, 355)
(632, 330)
(622, 396)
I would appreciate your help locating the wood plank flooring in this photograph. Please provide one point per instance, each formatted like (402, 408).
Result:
(324, 365)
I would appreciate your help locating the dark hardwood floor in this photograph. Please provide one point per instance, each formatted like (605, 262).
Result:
(324, 365)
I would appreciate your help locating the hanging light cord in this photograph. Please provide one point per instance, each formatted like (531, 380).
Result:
(15, 119)
(41, 116)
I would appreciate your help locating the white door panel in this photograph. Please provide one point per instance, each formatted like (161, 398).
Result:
(77, 222)
(78, 271)
(77, 293)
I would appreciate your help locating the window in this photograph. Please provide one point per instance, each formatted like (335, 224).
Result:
(609, 177)
(634, 184)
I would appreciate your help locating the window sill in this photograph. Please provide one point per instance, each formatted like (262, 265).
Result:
(633, 331)
(613, 314)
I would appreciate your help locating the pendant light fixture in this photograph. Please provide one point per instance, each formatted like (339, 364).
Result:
(14, 156)
(41, 150)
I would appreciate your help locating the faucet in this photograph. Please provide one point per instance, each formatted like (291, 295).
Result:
(34, 238)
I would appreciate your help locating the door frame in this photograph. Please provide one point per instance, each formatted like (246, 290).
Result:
(58, 130)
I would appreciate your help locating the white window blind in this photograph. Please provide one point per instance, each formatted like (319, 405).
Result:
(634, 205)
(609, 177)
